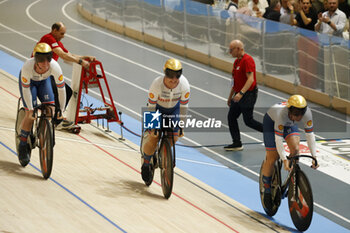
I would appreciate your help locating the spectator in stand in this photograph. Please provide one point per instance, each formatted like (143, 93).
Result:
(316, 4)
(332, 21)
(287, 11)
(242, 3)
(273, 11)
(325, 6)
(306, 17)
(232, 6)
(258, 7)
(346, 32)
(344, 7)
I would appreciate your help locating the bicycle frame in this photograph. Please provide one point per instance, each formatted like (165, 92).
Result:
(162, 134)
(43, 114)
(292, 174)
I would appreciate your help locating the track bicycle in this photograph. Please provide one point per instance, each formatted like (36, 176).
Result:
(42, 135)
(164, 158)
(298, 189)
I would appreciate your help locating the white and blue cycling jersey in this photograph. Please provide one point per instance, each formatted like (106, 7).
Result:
(170, 102)
(277, 126)
(33, 85)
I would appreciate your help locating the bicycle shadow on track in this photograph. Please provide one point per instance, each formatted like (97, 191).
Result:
(129, 188)
(291, 229)
(15, 169)
(103, 135)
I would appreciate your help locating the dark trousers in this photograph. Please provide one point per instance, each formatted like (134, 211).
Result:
(246, 107)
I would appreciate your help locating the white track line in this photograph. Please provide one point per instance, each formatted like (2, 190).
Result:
(209, 150)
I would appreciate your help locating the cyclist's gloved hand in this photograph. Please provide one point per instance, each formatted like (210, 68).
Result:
(313, 164)
(286, 165)
(181, 132)
(58, 118)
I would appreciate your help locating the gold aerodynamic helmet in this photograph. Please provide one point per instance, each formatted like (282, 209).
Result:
(297, 105)
(42, 52)
(173, 68)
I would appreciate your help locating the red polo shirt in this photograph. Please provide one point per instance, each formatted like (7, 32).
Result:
(239, 73)
(50, 40)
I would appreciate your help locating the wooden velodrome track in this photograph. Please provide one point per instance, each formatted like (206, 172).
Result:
(96, 186)
(131, 67)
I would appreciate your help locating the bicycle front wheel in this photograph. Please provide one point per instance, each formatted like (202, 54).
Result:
(45, 136)
(166, 167)
(300, 201)
(20, 116)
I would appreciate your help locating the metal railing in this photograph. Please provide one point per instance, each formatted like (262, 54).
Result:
(299, 56)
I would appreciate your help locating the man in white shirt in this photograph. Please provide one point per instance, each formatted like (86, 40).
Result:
(332, 21)
(258, 7)
(232, 6)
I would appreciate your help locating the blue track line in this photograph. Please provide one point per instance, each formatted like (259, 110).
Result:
(218, 178)
(70, 192)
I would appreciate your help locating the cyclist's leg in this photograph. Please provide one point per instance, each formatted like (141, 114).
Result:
(292, 137)
(293, 140)
(46, 94)
(271, 157)
(27, 123)
(270, 146)
(174, 116)
(149, 146)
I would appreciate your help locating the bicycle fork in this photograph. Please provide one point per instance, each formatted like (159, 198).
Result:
(298, 201)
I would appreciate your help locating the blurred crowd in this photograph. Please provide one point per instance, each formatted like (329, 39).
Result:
(327, 16)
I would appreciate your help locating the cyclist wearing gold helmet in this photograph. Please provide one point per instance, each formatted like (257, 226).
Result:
(35, 82)
(280, 122)
(169, 94)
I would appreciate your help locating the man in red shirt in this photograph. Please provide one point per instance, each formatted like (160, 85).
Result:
(243, 94)
(54, 40)
(59, 51)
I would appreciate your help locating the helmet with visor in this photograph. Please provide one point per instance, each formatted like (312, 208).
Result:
(297, 105)
(173, 68)
(42, 52)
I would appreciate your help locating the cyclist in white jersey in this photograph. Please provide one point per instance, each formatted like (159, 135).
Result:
(169, 94)
(281, 122)
(35, 82)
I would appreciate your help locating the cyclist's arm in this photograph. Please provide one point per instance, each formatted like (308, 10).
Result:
(66, 56)
(153, 96)
(152, 101)
(59, 80)
(184, 107)
(278, 128)
(280, 147)
(309, 132)
(25, 82)
(185, 98)
(311, 142)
